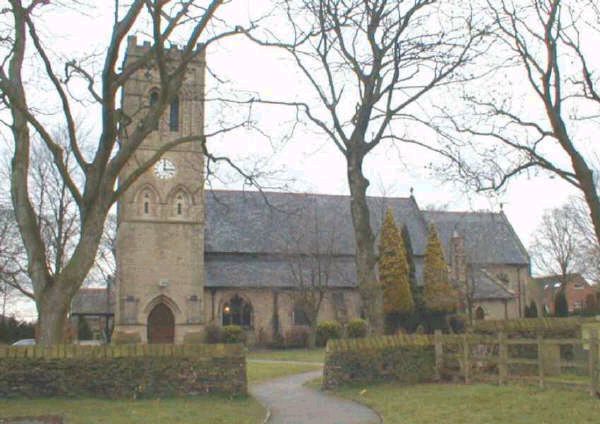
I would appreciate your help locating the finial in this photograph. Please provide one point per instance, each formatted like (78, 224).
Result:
(501, 207)
(412, 192)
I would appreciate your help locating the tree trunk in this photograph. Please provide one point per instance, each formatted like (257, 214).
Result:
(368, 283)
(53, 308)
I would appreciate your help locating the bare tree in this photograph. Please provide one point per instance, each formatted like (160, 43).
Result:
(24, 47)
(554, 245)
(312, 263)
(588, 248)
(545, 116)
(369, 64)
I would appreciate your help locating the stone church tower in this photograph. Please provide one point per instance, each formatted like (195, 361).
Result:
(160, 236)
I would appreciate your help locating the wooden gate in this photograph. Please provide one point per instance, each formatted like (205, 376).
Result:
(161, 325)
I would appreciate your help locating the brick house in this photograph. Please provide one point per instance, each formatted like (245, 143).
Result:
(578, 290)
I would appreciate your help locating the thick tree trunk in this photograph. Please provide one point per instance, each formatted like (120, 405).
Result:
(365, 258)
(53, 308)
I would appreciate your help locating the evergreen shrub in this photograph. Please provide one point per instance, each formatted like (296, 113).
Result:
(296, 337)
(328, 330)
(357, 329)
(402, 358)
(212, 333)
(233, 334)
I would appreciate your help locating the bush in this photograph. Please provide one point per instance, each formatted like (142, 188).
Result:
(122, 337)
(328, 330)
(296, 337)
(212, 334)
(278, 342)
(357, 329)
(406, 359)
(233, 334)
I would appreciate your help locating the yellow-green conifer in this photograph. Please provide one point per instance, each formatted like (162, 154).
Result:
(393, 269)
(439, 294)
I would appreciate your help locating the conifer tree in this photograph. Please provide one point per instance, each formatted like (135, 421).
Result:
(439, 295)
(393, 269)
(561, 306)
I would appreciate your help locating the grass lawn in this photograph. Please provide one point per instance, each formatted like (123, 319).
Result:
(208, 409)
(303, 355)
(479, 403)
(261, 371)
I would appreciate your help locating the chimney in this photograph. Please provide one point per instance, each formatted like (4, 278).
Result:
(458, 260)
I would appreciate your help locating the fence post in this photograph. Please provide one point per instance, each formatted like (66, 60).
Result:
(540, 358)
(466, 359)
(439, 352)
(593, 361)
(502, 358)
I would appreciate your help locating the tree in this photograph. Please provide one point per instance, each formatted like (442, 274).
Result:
(312, 264)
(92, 183)
(531, 310)
(439, 295)
(547, 122)
(561, 306)
(554, 247)
(369, 64)
(394, 273)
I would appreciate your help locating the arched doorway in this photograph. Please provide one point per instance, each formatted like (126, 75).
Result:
(161, 325)
(237, 312)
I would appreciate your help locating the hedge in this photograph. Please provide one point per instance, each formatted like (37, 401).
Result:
(134, 371)
(402, 358)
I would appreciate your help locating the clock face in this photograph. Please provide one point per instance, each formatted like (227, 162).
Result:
(164, 169)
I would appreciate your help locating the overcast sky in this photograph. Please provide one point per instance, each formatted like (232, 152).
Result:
(307, 161)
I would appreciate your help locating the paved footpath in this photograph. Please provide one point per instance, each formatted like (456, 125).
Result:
(292, 403)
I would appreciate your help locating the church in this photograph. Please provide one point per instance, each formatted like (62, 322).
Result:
(187, 257)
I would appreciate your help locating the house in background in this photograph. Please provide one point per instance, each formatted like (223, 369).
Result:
(579, 292)
(97, 307)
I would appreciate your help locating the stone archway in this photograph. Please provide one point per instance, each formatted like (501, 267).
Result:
(161, 324)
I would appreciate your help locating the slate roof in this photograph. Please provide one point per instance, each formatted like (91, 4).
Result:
(486, 287)
(253, 222)
(489, 237)
(252, 238)
(93, 301)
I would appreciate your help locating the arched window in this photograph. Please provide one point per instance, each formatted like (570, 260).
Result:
(237, 312)
(479, 313)
(153, 101)
(174, 115)
(179, 203)
(147, 201)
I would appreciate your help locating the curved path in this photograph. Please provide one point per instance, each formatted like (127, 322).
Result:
(292, 403)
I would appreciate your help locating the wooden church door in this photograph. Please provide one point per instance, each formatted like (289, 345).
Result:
(161, 325)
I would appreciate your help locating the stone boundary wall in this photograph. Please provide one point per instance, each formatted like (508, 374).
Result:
(403, 358)
(128, 371)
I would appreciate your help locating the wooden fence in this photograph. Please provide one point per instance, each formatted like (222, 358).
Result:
(501, 359)
(122, 351)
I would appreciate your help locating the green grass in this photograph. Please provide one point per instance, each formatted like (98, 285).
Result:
(259, 371)
(304, 355)
(480, 403)
(211, 409)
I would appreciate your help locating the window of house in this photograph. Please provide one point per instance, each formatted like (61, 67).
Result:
(146, 203)
(577, 306)
(153, 101)
(579, 286)
(237, 312)
(174, 115)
